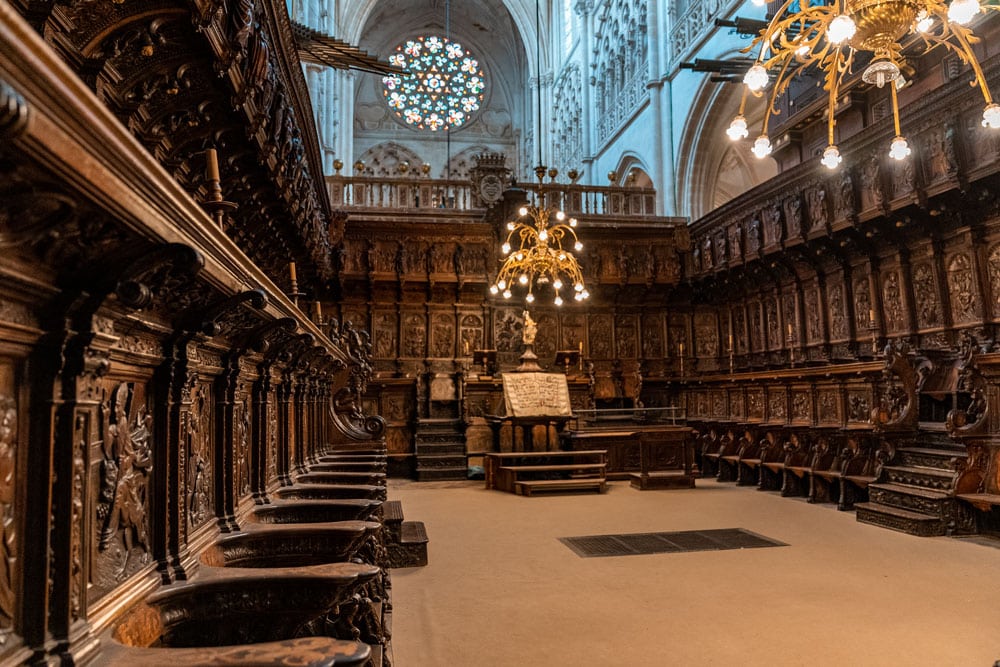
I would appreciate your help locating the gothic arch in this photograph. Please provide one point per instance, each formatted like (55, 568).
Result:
(384, 159)
(710, 169)
(632, 164)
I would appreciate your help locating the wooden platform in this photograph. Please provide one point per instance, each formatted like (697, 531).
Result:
(529, 472)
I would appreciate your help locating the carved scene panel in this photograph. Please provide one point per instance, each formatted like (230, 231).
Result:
(893, 307)
(11, 503)
(121, 472)
(837, 303)
(385, 335)
(600, 336)
(706, 335)
(652, 336)
(625, 336)
(925, 296)
(574, 331)
(443, 335)
(962, 288)
(199, 434)
(471, 334)
(414, 335)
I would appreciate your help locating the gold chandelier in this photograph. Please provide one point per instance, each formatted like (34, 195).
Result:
(830, 36)
(539, 258)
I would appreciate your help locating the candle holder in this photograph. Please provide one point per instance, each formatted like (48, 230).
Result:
(791, 349)
(216, 206)
(732, 360)
(874, 332)
(294, 293)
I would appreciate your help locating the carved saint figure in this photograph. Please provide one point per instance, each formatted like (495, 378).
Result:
(123, 480)
(530, 329)
(8, 443)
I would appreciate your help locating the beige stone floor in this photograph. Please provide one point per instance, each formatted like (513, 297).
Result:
(500, 589)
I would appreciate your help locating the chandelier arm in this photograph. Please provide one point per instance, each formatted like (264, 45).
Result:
(765, 35)
(774, 94)
(833, 85)
(971, 59)
(895, 108)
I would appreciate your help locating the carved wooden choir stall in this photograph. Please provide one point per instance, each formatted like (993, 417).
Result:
(188, 474)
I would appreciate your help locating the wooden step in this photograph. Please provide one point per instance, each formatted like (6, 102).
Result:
(557, 467)
(411, 549)
(895, 518)
(526, 488)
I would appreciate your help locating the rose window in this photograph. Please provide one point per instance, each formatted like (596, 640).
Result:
(442, 87)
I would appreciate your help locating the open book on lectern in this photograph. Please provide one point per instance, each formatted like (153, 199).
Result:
(536, 395)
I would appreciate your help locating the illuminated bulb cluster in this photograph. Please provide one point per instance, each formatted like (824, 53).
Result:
(738, 129)
(762, 147)
(833, 38)
(899, 149)
(963, 11)
(540, 258)
(831, 157)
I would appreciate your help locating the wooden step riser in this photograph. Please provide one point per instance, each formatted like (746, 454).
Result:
(903, 525)
(918, 478)
(944, 461)
(937, 508)
(438, 448)
(441, 474)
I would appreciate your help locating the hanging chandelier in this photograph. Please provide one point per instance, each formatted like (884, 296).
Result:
(830, 37)
(539, 258)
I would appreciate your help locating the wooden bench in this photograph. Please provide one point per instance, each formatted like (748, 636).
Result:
(981, 501)
(798, 463)
(748, 473)
(526, 472)
(824, 478)
(729, 457)
(772, 464)
(862, 467)
(711, 449)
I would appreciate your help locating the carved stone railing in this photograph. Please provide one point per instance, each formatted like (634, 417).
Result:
(624, 105)
(696, 24)
(371, 192)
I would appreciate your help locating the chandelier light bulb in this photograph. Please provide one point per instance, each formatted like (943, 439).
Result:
(519, 256)
(506, 294)
(831, 157)
(841, 29)
(991, 116)
(578, 246)
(578, 287)
(523, 279)
(557, 284)
(494, 289)
(523, 211)
(572, 222)
(505, 248)
(578, 297)
(502, 284)
(585, 294)
(543, 235)
(963, 11)
(511, 225)
(738, 129)
(924, 21)
(562, 257)
(759, 3)
(755, 78)
(802, 51)
(898, 149)
(762, 147)
(560, 216)
(530, 298)
(557, 300)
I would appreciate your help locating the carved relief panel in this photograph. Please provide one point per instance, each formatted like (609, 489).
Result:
(801, 406)
(122, 469)
(385, 335)
(414, 335)
(838, 310)
(828, 406)
(507, 325)
(199, 433)
(962, 288)
(773, 325)
(242, 415)
(625, 336)
(863, 306)
(755, 403)
(736, 404)
(739, 329)
(545, 339)
(652, 336)
(272, 435)
(984, 143)
(11, 504)
(925, 296)
(574, 331)
(382, 257)
(993, 271)
(355, 252)
(443, 335)
(600, 336)
(755, 316)
(814, 327)
(776, 404)
(719, 404)
(706, 335)
(940, 162)
(892, 302)
(859, 405)
(472, 334)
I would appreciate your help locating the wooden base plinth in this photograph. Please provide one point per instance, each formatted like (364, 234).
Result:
(665, 480)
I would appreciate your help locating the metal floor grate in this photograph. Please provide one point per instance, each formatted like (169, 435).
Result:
(591, 546)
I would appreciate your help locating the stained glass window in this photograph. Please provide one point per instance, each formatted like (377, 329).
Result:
(443, 85)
